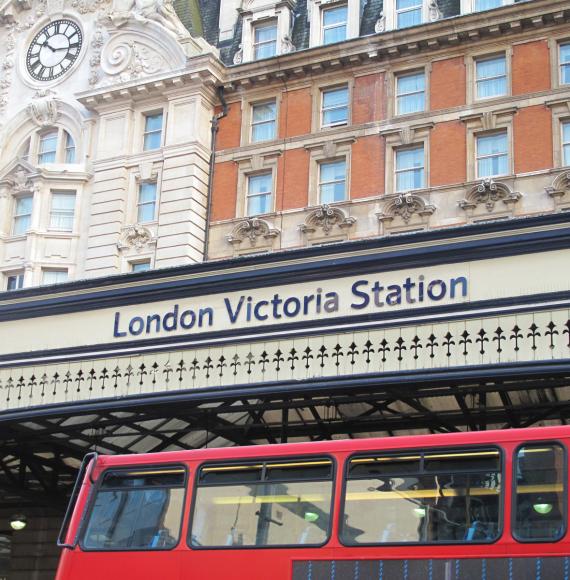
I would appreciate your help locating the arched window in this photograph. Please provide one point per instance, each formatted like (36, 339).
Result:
(53, 145)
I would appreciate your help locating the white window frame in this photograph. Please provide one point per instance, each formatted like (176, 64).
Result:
(483, 58)
(564, 144)
(322, 183)
(141, 204)
(62, 213)
(315, 10)
(18, 276)
(507, 153)
(270, 23)
(133, 265)
(397, 171)
(403, 74)
(253, 123)
(147, 115)
(562, 65)
(16, 216)
(344, 24)
(468, 6)
(270, 192)
(324, 91)
(418, 7)
(56, 271)
(43, 136)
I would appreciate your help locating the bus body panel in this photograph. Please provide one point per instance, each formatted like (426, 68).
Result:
(503, 559)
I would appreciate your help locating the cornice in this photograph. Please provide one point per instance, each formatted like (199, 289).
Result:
(386, 46)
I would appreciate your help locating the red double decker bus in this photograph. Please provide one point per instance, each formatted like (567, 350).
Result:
(462, 506)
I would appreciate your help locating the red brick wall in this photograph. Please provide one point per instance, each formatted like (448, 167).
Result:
(369, 99)
(367, 171)
(293, 179)
(229, 133)
(295, 113)
(448, 83)
(533, 139)
(448, 153)
(531, 67)
(224, 191)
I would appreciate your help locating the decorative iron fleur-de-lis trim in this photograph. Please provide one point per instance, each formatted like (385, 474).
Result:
(415, 346)
(103, 377)
(180, 370)
(116, 376)
(43, 383)
(400, 348)
(448, 343)
(153, 372)
(384, 348)
(292, 358)
(482, 339)
(464, 341)
(337, 353)
(307, 356)
(322, 355)
(566, 331)
(551, 333)
(194, 367)
(498, 338)
(263, 360)
(221, 365)
(167, 371)
(92, 375)
(142, 372)
(432, 344)
(516, 336)
(9, 387)
(235, 364)
(67, 381)
(352, 352)
(368, 350)
(129, 372)
(208, 366)
(55, 381)
(533, 335)
(249, 362)
(79, 379)
(278, 359)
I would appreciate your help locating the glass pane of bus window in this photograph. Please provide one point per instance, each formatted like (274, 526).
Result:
(540, 489)
(264, 514)
(452, 501)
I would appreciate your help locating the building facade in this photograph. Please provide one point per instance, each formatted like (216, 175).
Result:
(338, 219)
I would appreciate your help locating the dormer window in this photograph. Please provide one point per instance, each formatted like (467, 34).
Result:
(334, 24)
(54, 145)
(408, 13)
(265, 40)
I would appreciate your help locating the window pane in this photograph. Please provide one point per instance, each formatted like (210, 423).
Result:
(263, 122)
(565, 64)
(411, 93)
(260, 183)
(69, 149)
(492, 144)
(457, 501)
(153, 122)
(409, 18)
(145, 515)
(153, 132)
(48, 147)
(15, 282)
(259, 204)
(333, 181)
(334, 24)
(147, 191)
(334, 16)
(410, 158)
(140, 267)
(54, 276)
(265, 43)
(492, 156)
(540, 492)
(276, 506)
(492, 166)
(62, 211)
(491, 77)
(24, 205)
(22, 214)
(259, 194)
(335, 106)
(487, 4)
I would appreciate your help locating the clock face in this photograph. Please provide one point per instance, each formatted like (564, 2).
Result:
(53, 50)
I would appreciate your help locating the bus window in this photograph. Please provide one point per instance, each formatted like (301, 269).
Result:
(274, 503)
(425, 497)
(539, 491)
(137, 509)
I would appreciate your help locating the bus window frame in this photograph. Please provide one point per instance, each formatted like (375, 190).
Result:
(405, 451)
(96, 488)
(291, 459)
(565, 484)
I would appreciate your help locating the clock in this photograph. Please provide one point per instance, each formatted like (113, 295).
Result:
(53, 50)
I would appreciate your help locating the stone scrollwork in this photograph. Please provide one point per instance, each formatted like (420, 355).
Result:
(252, 230)
(43, 108)
(135, 236)
(325, 218)
(406, 206)
(434, 11)
(287, 45)
(380, 25)
(559, 191)
(487, 194)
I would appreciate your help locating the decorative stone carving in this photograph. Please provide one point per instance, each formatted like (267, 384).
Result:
(434, 13)
(238, 56)
(87, 6)
(405, 206)
(559, 191)
(326, 218)
(43, 108)
(135, 236)
(252, 229)
(131, 53)
(488, 193)
(160, 11)
(380, 25)
(287, 45)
